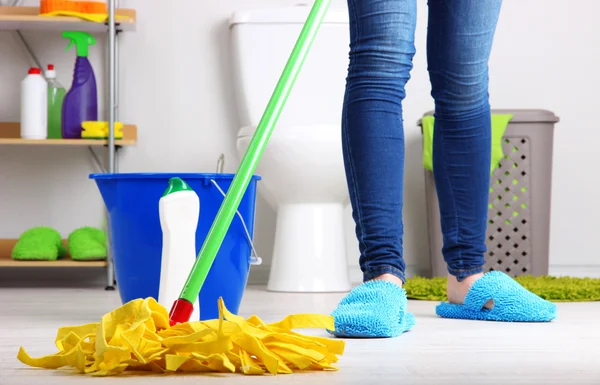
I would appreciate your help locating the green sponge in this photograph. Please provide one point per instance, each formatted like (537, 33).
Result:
(554, 289)
(39, 243)
(88, 244)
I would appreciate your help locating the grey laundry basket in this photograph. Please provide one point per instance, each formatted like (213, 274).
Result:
(518, 233)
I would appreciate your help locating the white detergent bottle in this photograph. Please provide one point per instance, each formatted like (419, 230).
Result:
(179, 209)
(34, 105)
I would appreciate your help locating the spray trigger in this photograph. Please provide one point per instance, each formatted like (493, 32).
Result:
(82, 40)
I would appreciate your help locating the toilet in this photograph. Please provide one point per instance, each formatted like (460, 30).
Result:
(302, 165)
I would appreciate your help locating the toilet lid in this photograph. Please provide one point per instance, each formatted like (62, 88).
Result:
(293, 130)
(287, 15)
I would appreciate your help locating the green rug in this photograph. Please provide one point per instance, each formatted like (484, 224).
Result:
(555, 289)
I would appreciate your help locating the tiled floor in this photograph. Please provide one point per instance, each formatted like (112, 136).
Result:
(437, 351)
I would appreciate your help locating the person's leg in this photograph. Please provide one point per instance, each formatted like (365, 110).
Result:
(381, 52)
(459, 41)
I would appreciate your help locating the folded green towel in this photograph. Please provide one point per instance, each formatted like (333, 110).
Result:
(87, 244)
(39, 243)
(499, 123)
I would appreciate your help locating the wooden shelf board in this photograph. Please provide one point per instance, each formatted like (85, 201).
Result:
(6, 246)
(10, 134)
(28, 18)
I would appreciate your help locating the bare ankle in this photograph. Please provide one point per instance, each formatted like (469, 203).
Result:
(457, 291)
(389, 278)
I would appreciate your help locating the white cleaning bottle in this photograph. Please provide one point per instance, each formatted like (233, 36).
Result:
(179, 209)
(34, 105)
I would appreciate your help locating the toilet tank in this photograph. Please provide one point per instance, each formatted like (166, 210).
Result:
(261, 42)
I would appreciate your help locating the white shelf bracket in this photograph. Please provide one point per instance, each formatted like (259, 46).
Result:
(27, 47)
(96, 159)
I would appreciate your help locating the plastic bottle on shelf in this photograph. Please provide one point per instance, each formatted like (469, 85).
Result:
(34, 105)
(81, 102)
(56, 94)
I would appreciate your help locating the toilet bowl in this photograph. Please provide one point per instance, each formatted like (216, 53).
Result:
(303, 175)
(302, 166)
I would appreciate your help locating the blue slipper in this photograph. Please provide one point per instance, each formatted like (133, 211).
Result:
(512, 302)
(375, 309)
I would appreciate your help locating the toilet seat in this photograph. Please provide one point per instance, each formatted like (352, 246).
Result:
(246, 131)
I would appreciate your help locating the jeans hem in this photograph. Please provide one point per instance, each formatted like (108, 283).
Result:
(380, 270)
(461, 274)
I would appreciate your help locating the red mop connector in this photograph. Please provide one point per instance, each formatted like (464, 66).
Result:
(180, 312)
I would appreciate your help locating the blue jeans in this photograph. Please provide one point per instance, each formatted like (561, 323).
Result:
(459, 41)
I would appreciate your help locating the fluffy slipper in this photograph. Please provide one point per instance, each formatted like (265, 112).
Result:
(375, 309)
(39, 243)
(512, 302)
(87, 244)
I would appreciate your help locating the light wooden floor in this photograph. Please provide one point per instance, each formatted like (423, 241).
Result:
(437, 351)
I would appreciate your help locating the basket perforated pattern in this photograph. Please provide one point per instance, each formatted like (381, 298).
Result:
(508, 233)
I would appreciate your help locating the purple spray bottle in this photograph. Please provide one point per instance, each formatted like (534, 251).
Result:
(81, 102)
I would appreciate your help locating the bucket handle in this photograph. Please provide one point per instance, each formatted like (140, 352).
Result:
(221, 164)
(254, 259)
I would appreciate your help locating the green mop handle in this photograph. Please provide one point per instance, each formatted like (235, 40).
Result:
(240, 182)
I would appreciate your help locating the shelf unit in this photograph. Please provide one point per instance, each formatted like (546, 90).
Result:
(28, 18)
(6, 246)
(10, 134)
(24, 18)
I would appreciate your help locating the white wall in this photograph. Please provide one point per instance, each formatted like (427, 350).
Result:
(176, 87)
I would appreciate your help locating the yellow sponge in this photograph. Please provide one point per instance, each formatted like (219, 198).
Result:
(99, 130)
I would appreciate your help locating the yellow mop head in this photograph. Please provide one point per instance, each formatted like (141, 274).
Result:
(137, 336)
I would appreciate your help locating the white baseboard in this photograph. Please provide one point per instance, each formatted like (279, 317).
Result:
(580, 271)
(356, 274)
(259, 275)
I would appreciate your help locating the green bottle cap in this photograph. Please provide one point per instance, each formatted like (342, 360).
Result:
(176, 185)
(82, 41)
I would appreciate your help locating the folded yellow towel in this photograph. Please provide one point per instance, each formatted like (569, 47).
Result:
(89, 10)
(137, 336)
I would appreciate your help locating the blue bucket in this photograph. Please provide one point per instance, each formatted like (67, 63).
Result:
(136, 235)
